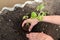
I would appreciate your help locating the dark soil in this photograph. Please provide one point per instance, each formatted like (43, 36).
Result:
(10, 24)
(11, 29)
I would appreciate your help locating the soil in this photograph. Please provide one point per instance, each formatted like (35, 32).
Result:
(10, 24)
(11, 29)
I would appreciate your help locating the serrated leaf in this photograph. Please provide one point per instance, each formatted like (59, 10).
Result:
(33, 15)
(40, 7)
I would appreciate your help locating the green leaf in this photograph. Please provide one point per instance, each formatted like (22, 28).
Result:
(40, 7)
(33, 15)
(40, 16)
(25, 17)
(43, 13)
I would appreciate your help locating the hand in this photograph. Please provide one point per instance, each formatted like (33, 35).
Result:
(33, 22)
(39, 36)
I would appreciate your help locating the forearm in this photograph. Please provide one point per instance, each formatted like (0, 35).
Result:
(52, 19)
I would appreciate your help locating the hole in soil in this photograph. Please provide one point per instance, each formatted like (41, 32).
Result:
(58, 38)
(26, 27)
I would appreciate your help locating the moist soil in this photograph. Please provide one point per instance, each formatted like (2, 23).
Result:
(11, 29)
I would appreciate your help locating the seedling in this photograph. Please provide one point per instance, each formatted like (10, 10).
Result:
(25, 17)
(33, 15)
(40, 7)
(39, 15)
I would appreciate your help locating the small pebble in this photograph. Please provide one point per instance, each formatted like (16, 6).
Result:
(46, 25)
(59, 26)
(43, 29)
(22, 9)
(57, 29)
(9, 20)
(0, 20)
(7, 23)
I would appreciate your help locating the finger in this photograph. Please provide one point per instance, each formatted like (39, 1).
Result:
(27, 35)
(24, 23)
(30, 28)
(32, 34)
(28, 20)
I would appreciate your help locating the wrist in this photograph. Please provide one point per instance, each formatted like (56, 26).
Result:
(46, 18)
(40, 18)
(37, 20)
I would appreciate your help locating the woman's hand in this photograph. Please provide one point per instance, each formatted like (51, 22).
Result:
(39, 36)
(33, 22)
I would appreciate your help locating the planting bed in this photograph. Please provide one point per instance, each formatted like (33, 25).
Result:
(11, 21)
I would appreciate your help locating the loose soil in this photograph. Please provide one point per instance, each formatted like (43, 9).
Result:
(11, 29)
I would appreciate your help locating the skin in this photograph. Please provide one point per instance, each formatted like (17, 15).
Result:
(32, 36)
(33, 22)
(39, 36)
(52, 19)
